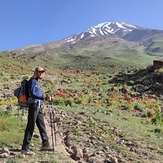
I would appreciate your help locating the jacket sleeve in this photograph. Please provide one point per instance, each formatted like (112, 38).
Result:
(35, 90)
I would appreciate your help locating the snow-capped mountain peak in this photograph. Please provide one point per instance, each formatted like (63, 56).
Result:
(104, 29)
(113, 27)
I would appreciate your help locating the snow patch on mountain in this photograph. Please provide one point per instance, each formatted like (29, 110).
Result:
(105, 29)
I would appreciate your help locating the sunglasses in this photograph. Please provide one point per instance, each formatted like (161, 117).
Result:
(41, 71)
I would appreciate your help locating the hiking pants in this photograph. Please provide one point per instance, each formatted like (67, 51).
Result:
(35, 115)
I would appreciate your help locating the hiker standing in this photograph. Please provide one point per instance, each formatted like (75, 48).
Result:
(35, 114)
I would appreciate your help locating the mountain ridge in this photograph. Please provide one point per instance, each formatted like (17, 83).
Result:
(121, 29)
(119, 42)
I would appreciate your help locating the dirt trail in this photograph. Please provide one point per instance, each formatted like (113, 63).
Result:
(60, 147)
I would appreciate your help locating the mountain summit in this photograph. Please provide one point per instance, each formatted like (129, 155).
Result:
(150, 39)
(105, 29)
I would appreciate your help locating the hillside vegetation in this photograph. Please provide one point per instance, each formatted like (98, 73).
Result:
(106, 116)
(95, 55)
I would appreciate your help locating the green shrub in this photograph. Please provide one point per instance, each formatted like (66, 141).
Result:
(13, 77)
(10, 131)
(69, 102)
(6, 113)
(59, 102)
(25, 78)
(158, 119)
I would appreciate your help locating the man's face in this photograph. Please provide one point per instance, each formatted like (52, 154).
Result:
(41, 74)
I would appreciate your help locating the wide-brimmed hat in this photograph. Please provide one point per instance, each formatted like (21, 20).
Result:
(39, 69)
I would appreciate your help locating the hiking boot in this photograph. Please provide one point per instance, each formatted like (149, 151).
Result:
(47, 148)
(27, 152)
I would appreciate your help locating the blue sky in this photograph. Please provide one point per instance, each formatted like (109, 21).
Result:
(25, 22)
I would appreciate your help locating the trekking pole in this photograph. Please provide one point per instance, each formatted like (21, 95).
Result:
(18, 111)
(55, 132)
(21, 118)
(51, 125)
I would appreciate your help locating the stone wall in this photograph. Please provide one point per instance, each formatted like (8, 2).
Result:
(157, 64)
